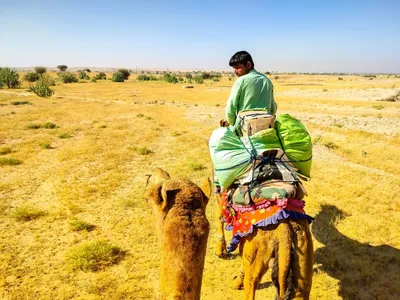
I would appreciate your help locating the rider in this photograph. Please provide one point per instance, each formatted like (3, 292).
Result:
(251, 90)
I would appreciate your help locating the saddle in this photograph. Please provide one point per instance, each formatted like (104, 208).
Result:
(270, 178)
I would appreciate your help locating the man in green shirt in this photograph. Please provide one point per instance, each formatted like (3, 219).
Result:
(251, 90)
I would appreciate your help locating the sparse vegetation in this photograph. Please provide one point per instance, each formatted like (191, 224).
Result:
(9, 161)
(27, 213)
(196, 166)
(5, 150)
(94, 256)
(20, 103)
(79, 225)
(64, 135)
(45, 146)
(47, 125)
(394, 98)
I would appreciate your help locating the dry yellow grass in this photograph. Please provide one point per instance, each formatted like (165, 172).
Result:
(97, 173)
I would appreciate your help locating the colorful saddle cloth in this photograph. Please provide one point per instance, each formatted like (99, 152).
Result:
(241, 219)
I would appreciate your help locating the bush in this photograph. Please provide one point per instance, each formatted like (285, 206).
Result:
(27, 213)
(62, 68)
(146, 78)
(40, 70)
(83, 75)
(9, 161)
(67, 77)
(87, 70)
(125, 72)
(117, 77)
(9, 77)
(100, 76)
(198, 79)
(42, 87)
(31, 77)
(94, 256)
(171, 78)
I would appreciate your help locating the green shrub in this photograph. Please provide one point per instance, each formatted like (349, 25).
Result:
(196, 166)
(42, 87)
(33, 126)
(64, 136)
(94, 256)
(125, 72)
(100, 76)
(83, 75)
(62, 68)
(40, 70)
(87, 70)
(68, 77)
(170, 78)
(31, 77)
(198, 79)
(9, 77)
(9, 161)
(118, 77)
(45, 146)
(49, 125)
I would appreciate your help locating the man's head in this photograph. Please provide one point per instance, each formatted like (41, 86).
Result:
(242, 63)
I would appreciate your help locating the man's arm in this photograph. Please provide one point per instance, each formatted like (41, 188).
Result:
(233, 103)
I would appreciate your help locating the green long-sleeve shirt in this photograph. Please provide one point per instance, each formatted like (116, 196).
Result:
(250, 91)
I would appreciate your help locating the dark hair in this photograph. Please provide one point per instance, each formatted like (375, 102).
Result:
(241, 57)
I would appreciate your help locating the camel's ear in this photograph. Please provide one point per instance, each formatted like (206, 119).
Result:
(206, 188)
(167, 194)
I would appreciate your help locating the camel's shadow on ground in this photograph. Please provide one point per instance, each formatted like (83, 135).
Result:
(364, 271)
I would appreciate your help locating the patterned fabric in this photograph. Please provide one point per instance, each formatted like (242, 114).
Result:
(241, 219)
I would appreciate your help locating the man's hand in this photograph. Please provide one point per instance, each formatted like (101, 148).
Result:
(223, 123)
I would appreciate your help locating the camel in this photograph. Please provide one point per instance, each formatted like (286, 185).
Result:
(285, 247)
(183, 228)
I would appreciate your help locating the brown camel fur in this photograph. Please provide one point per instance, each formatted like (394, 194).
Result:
(286, 246)
(183, 230)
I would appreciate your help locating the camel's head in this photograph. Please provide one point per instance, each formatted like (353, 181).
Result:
(161, 191)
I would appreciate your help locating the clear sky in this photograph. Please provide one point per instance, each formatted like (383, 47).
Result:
(285, 36)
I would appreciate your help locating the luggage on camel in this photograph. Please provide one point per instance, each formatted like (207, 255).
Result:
(252, 121)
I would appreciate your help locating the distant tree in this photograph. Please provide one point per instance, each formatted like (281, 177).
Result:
(205, 75)
(125, 72)
(62, 68)
(118, 77)
(87, 70)
(9, 77)
(188, 76)
(40, 70)
(31, 77)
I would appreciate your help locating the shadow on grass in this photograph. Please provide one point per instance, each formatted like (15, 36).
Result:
(364, 271)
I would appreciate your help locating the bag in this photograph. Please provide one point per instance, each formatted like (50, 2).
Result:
(296, 142)
(252, 121)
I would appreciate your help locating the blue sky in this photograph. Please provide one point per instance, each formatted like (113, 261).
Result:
(285, 36)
